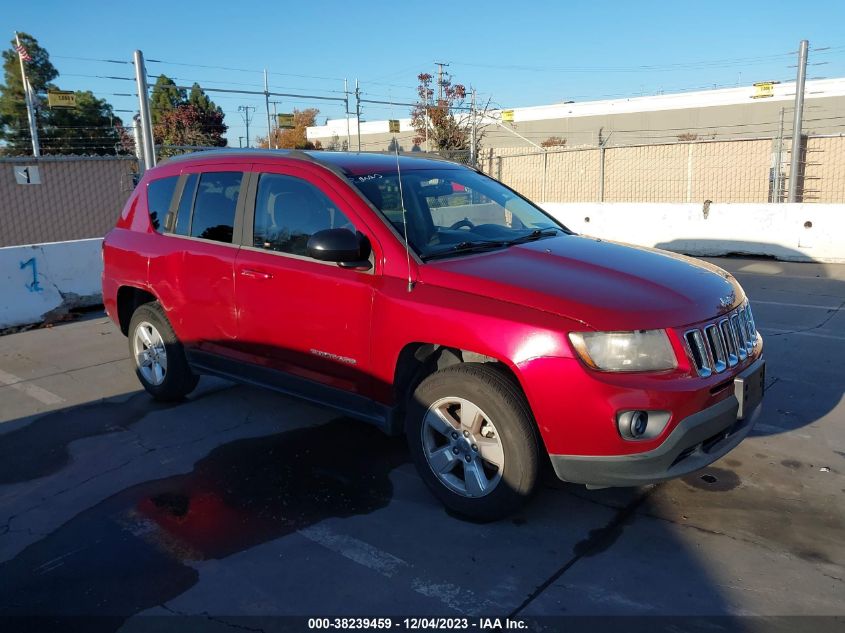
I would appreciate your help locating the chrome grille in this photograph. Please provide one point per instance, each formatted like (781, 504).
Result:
(717, 346)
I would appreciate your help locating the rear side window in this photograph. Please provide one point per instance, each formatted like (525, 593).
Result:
(159, 194)
(214, 206)
(186, 203)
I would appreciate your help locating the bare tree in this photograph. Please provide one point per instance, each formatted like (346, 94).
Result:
(445, 122)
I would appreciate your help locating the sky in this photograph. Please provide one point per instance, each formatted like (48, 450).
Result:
(513, 53)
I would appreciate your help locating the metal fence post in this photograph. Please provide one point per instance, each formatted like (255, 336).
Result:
(778, 184)
(795, 165)
(689, 172)
(144, 109)
(139, 144)
(601, 173)
(545, 170)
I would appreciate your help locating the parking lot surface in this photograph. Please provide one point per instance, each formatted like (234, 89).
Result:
(244, 502)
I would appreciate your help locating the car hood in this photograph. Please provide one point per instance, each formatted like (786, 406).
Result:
(604, 285)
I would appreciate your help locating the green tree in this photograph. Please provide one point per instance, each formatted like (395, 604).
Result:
(14, 127)
(188, 125)
(200, 100)
(166, 96)
(90, 128)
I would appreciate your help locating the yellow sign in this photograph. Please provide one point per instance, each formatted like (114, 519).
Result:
(393, 126)
(507, 116)
(764, 89)
(61, 99)
(285, 121)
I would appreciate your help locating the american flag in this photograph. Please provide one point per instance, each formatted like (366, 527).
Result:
(22, 52)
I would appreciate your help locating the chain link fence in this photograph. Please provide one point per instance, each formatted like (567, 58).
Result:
(66, 198)
(80, 197)
(752, 170)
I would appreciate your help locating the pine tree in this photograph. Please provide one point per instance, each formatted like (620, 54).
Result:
(14, 126)
(166, 96)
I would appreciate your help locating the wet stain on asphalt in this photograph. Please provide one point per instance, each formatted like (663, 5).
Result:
(713, 480)
(41, 448)
(133, 551)
(598, 540)
(791, 463)
(814, 556)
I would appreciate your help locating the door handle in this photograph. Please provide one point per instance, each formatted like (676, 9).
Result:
(256, 274)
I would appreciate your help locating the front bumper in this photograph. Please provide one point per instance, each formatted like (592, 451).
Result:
(697, 441)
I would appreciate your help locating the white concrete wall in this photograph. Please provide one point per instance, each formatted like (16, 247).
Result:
(41, 282)
(790, 232)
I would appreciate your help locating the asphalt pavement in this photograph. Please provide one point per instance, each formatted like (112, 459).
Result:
(242, 502)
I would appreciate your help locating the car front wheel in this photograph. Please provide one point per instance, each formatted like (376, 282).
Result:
(473, 440)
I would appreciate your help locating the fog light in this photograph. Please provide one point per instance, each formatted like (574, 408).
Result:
(641, 425)
(639, 422)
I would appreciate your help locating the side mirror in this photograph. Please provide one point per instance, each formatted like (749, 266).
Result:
(347, 249)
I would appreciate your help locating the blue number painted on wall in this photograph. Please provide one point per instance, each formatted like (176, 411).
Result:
(34, 286)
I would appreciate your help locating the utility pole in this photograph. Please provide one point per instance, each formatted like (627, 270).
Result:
(358, 112)
(440, 66)
(795, 164)
(247, 117)
(267, 106)
(346, 109)
(144, 110)
(27, 94)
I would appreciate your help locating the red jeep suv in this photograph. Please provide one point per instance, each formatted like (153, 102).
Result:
(430, 299)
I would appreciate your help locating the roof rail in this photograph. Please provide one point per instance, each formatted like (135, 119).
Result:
(235, 151)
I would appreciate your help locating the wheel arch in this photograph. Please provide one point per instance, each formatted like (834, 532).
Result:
(129, 299)
(418, 360)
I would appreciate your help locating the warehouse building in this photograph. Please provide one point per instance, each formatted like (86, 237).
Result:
(750, 112)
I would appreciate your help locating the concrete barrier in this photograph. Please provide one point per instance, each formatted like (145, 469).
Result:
(42, 282)
(790, 232)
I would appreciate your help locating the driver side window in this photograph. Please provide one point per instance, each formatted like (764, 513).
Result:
(453, 204)
(290, 210)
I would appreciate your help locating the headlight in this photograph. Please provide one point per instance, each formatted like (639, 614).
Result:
(644, 350)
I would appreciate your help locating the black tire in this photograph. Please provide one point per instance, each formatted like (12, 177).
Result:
(496, 394)
(178, 380)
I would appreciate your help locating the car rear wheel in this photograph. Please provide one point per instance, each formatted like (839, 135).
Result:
(159, 357)
(473, 440)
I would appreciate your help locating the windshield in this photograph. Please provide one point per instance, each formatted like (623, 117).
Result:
(454, 211)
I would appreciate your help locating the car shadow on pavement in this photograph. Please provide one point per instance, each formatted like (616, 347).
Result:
(134, 550)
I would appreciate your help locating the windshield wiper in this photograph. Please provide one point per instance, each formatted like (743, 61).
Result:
(533, 235)
(484, 245)
(467, 247)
